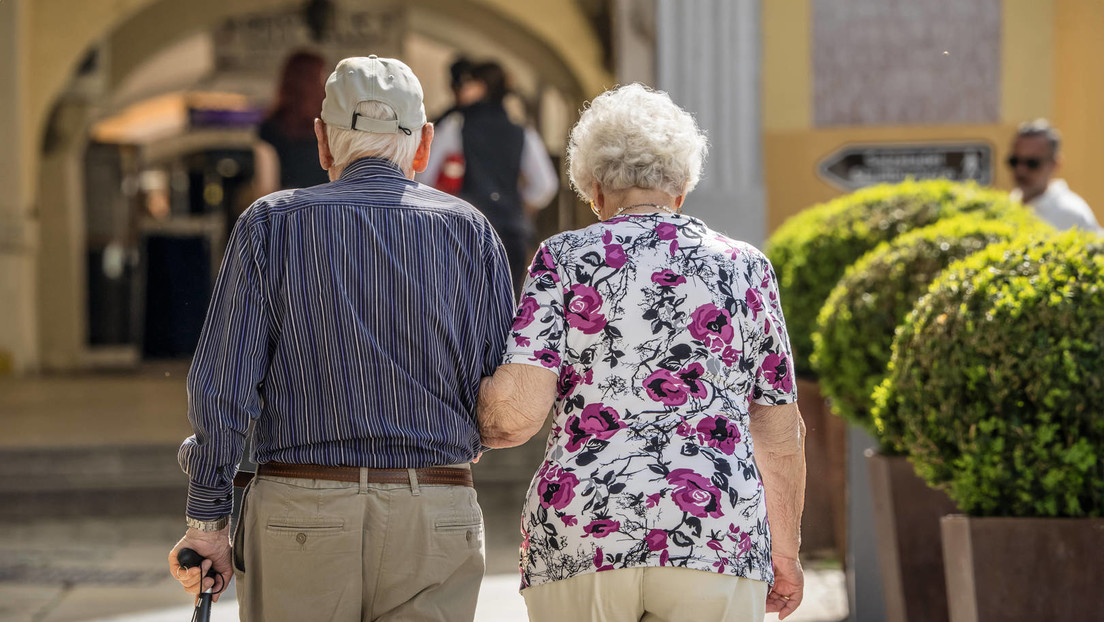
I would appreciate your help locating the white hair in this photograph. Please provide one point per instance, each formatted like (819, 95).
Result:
(635, 137)
(349, 145)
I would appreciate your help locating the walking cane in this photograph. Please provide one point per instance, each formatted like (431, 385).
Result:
(190, 559)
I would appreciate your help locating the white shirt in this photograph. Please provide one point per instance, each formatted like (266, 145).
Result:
(538, 183)
(1061, 207)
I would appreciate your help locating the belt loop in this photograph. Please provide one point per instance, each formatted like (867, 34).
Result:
(363, 481)
(414, 489)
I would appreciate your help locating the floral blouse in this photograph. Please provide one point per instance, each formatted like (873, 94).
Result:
(662, 331)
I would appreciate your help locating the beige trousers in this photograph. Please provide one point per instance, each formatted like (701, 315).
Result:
(649, 595)
(321, 550)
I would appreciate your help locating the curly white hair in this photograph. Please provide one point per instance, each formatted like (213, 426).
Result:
(635, 137)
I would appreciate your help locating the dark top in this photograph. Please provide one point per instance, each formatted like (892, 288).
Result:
(299, 167)
(492, 157)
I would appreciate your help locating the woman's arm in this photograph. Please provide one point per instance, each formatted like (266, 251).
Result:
(514, 402)
(779, 436)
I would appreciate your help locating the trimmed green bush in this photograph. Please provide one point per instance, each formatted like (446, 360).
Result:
(996, 384)
(852, 344)
(811, 251)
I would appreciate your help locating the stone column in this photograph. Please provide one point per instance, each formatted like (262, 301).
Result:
(18, 330)
(708, 58)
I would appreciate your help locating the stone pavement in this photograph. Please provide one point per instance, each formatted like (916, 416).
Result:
(75, 569)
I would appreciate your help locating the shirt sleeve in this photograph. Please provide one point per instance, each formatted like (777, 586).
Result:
(230, 362)
(774, 376)
(537, 335)
(538, 177)
(499, 301)
(446, 141)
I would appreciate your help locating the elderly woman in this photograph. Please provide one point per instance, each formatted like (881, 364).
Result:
(660, 346)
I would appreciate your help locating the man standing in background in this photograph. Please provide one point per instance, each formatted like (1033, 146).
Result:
(500, 167)
(1034, 159)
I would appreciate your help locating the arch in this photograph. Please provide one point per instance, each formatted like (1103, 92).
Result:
(552, 36)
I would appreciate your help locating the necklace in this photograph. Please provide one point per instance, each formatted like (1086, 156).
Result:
(655, 205)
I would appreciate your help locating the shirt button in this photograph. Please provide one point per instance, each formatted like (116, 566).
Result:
(469, 535)
(494, 196)
(301, 538)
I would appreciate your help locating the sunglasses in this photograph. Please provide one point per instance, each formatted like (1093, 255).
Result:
(1032, 164)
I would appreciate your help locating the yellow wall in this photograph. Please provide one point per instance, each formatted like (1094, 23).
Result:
(1052, 60)
(1078, 96)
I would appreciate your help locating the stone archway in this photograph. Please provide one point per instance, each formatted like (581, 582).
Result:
(554, 37)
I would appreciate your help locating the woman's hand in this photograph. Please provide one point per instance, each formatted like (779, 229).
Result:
(514, 403)
(789, 586)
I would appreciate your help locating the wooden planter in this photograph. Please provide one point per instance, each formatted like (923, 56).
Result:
(824, 521)
(907, 515)
(1024, 569)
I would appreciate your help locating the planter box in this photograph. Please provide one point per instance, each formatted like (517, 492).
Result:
(1024, 569)
(906, 522)
(824, 521)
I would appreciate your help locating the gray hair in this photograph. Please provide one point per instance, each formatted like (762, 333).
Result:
(635, 137)
(1041, 127)
(349, 145)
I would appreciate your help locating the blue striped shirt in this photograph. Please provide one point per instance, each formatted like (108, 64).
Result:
(353, 322)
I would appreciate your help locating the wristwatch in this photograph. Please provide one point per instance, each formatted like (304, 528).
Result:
(208, 525)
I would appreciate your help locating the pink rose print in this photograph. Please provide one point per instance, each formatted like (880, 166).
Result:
(598, 559)
(663, 386)
(712, 326)
(570, 520)
(557, 487)
(615, 256)
(691, 379)
(719, 432)
(544, 264)
(524, 540)
(730, 356)
(668, 278)
(684, 429)
(695, 494)
(742, 538)
(569, 380)
(666, 231)
(522, 342)
(526, 309)
(716, 545)
(776, 370)
(602, 527)
(754, 302)
(663, 557)
(547, 358)
(652, 500)
(596, 421)
(582, 305)
(656, 539)
(674, 247)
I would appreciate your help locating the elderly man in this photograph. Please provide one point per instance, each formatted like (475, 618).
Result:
(352, 323)
(1034, 159)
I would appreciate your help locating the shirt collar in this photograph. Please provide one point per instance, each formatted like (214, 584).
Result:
(371, 167)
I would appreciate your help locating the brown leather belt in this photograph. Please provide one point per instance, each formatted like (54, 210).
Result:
(439, 476)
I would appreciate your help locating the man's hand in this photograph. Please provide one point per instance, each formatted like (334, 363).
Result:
(789, 586)
(214, 546)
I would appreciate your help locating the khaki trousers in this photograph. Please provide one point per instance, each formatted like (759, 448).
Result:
(309, 549)
(649, 595)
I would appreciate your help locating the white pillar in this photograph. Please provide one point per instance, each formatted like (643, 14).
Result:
(707, 58)
(18, 332)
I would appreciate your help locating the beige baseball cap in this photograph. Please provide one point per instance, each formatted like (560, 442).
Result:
(371, 78)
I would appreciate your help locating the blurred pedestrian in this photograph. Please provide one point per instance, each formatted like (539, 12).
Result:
(460, 82)
(660, 346)
(1034, 159)
(500, 167)
(352, 322)
(287, 154)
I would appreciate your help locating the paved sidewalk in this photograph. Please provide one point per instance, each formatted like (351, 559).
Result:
(69, 570)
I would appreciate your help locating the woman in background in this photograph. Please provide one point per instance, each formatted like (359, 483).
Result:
(287, 156)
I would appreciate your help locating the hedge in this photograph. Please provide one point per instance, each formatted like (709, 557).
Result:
(996, 384)
(811, 250)
(855, 327)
